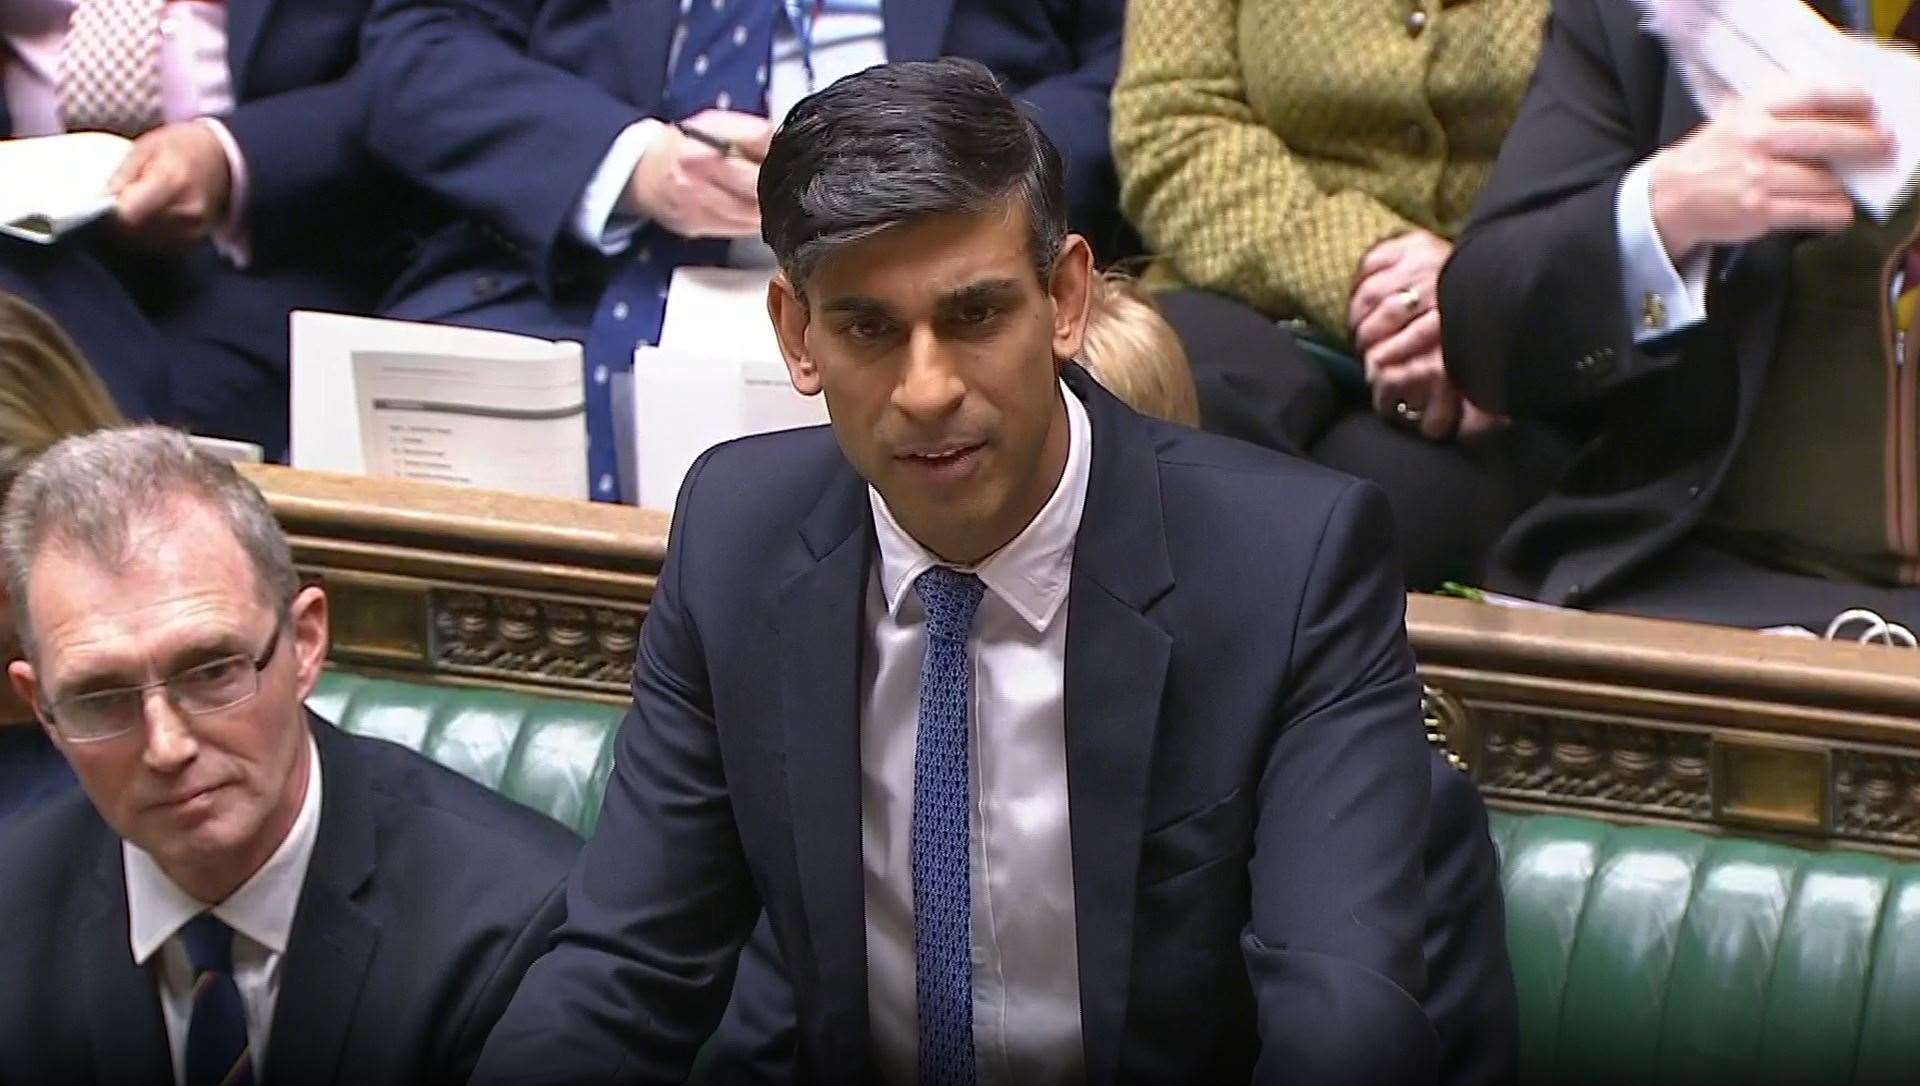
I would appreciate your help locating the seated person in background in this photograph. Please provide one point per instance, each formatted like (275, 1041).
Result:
(1740, 339)
(239, 892)
(1134, 353)
(594, 150)
(47, 392)
(1308, 163)
(247, 193)
(1201, 781)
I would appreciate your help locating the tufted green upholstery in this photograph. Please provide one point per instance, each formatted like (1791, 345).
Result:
(1653, 955)
(552, 754)
(1641, 955)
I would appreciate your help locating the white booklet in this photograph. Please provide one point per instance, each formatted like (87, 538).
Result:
(1749, 47)
(717, 374)
(50, 185)
(402, 399)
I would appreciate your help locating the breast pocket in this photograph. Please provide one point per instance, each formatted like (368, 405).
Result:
(1209, 834)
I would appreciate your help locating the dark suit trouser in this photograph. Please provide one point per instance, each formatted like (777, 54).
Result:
(1450, 502)
(1696, 582)
(188, 340)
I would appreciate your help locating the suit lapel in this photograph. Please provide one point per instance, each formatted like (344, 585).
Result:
(819, 630)
(915, 29)
(123, 1002)
(333, 938)
(1116, 668)
(244, 21)
(645, 32)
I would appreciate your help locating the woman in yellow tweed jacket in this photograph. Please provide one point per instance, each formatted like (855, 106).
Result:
(1311, 159)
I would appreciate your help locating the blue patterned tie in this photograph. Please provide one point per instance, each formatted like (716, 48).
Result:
(217, 1052)
(942, 884)
(723, 49)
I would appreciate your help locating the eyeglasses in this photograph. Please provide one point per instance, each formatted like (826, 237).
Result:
(201, 689)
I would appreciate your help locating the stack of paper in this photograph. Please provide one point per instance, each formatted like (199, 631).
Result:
(1747, 48)
(406, 400)
(717, 374)
(55, 184)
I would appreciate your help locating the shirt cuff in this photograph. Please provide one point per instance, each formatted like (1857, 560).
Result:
(231, 238)
(1660, 299)
(599, 222)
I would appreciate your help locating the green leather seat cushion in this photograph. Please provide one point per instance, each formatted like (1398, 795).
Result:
(1641, 954)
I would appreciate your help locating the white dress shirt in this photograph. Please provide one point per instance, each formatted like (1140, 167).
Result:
(846, 39)
(1026, 974)
(195, 82)
(1647, 271)
(260, 913)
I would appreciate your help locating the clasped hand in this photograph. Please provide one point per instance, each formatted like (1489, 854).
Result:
(697, 191)
(1394, 316)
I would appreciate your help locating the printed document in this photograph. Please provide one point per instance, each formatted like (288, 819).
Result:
(400, 399)
(51, 185)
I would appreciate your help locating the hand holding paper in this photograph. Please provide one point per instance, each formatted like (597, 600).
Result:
(1779, 67)
(173, 188)
(57, 184)
(1765, 165)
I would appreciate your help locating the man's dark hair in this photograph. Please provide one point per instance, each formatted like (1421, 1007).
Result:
(898, 142)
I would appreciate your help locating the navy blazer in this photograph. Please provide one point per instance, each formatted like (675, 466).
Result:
(505, 108)
(1247, 775)
(425, 899)
(1536, 322)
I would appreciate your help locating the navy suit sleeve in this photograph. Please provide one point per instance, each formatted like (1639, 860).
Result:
(1334, 946)
(1535, 319)
(460, 104)
(307, 167)
(1071, 107)
(661, 899)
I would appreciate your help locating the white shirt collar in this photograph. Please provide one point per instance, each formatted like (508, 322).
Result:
(1031, 572)
(261, 909)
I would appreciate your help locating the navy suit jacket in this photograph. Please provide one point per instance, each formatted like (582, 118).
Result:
(1247, 776)
(1536, 322)
(425, 899)
(505, 108)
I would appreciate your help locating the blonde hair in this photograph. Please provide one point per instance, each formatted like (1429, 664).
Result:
(1132, 350)
(47, 390)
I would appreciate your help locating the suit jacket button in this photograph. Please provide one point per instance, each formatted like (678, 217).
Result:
(484, 285)
(1416, 22)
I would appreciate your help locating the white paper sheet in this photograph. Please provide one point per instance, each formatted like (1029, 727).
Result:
(50, 185)
(720, 311)
(686, 402)
(446, 366)
(1755, 47)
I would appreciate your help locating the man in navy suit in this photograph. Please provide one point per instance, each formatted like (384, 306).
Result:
(592, 148)
(1057, 744)
(238, 892)
(247, 194)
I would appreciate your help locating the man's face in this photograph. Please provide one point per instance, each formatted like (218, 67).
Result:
(214, 792)
(938, 349)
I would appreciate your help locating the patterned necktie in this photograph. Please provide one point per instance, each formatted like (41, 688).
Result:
(942, 876)
(217, 1052)
(722, 49)
(109, 76)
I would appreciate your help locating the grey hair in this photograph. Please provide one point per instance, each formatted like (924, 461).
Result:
(92, 493)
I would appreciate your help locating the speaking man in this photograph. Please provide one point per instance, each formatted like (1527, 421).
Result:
(1057, 744)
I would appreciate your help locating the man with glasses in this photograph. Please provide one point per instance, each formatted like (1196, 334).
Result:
(243, 891)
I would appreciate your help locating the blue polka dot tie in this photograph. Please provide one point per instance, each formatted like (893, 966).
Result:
(942, 884)
(723, 48)
(217, 1051)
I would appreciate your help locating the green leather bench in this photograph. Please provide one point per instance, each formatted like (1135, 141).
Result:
(1641, 955)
